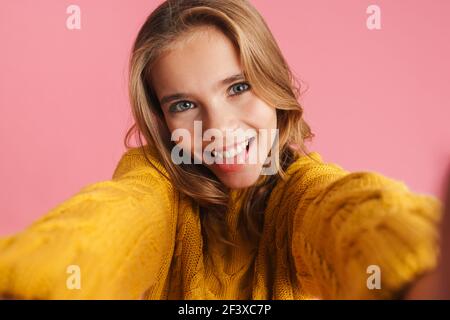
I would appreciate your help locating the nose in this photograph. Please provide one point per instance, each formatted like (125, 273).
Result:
(222, 119)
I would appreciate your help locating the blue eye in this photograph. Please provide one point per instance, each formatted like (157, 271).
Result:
(244, 86)
(180, 106)
(184, 105)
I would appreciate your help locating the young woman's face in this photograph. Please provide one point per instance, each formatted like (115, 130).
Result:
(196, 70)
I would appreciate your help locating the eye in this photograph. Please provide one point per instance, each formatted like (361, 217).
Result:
(181, 106)
(240, 87)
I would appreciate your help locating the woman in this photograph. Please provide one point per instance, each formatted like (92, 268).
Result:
(162, 228)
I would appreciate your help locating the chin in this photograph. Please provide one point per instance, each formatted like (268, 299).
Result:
(239, 179)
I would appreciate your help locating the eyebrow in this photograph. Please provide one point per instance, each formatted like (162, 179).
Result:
(176, 96)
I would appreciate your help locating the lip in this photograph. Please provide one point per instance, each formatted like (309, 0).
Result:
(234, 166)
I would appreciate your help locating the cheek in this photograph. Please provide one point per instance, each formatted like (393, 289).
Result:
(177, 122)
(180, 127)
(261, 115)
(264, 119)
(171, 123)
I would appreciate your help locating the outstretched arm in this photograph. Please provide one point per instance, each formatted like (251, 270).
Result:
(350, 228)
(111, 240)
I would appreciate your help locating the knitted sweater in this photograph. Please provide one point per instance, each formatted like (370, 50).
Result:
(136, 237)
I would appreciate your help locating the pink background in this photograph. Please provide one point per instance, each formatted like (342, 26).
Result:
(378, 100)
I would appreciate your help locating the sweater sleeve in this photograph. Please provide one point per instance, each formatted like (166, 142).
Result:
(111, 240)
(360, 235)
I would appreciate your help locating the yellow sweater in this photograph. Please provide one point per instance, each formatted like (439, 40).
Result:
(136, 237)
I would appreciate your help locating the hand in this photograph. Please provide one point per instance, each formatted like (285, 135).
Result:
(436, 285)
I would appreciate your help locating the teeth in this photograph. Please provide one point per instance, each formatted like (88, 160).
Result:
(231, 152)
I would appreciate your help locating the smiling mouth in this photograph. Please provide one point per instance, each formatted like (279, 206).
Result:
(233, 151)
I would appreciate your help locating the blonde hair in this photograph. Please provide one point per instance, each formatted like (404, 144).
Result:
(271, 80)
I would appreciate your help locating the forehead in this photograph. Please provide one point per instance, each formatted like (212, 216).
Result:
(203, 57)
